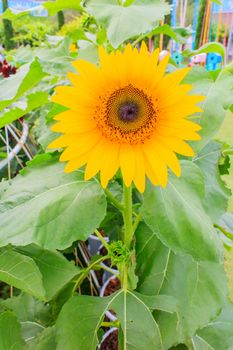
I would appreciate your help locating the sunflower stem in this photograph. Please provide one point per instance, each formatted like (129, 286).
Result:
(113, 200)
(102, 240)
(127, 215)
(136, 222)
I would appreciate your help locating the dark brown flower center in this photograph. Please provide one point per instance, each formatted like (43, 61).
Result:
(128, 111)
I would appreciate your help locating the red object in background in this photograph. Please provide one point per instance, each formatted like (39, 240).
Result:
(6, 69)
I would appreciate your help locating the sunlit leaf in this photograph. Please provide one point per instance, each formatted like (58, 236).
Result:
(124, 22)
(17, 85)
(54, 6)
(55, 269)
(83, 315)
(177, 216)
(32, 101)
(219, 333)
(199, 287)
(44, 205)
(218, 89)
(216, 192)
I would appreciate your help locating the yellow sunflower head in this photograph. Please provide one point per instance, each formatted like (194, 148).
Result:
(125, 113)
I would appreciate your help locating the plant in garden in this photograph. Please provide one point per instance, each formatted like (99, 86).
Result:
(140, 198)
(7, 69)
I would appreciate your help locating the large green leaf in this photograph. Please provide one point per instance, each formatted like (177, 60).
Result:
(139, 329)
(28, 309)
(199, 287)
(124, 22)
(78, 322)
(177, 216)
(216, 192)
(21, 271)
(44, 341)
(218, 89)
(56, 271)
(219, 333)
(43, 205)
(56, 60)
(31, 102)
(54, 6)
(33, 315)
(17, 85)
(81, 318)
(10, 338)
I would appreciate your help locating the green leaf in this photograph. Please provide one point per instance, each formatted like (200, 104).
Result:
(219, 333)
(10, 338)
(216, 192)
(32, 101)
(43, 205)
(59, 5)
(78, 322)
(167, 30)
(56, 61)
(209, 47)
(56, 271)
(199, 287)
(44, 341)
(138, 326)
(229, 182)
(177, 216)
(28, 309)
(21, 272)
(218, 89)
(125, 22)
(12, 16)
(33, 315)
(17, 85)
(81, 318)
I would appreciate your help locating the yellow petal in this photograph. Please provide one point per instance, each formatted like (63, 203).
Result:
(157, 165)
(79, 126)
(139, 176)
(127, 163)
(110, 163)
(166, 155)
(62, 141)
(177, 145)
(95, 159)
(82, 144)
(75, 163)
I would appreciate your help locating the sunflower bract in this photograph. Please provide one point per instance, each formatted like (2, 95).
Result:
(126, 113)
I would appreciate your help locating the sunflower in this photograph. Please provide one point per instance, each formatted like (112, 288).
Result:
(126, 113)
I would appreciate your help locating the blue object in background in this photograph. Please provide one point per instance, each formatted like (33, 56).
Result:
(227, 6)
(213, 61)
(173, 22)
(195, 17)
(177, 57)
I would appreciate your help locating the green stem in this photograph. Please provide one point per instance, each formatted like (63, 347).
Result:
(136, 222)
(86, 271)
(106, 268)
(111, 324)
(102, 240)
(225, 232)
(127, 215)
(113, 200)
